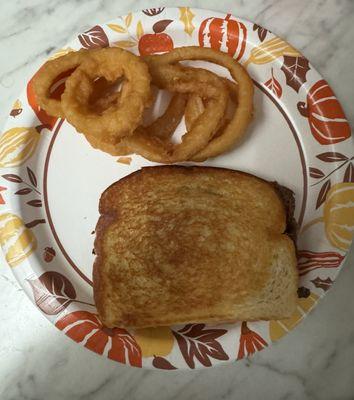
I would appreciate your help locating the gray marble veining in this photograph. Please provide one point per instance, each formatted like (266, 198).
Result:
(316, 361)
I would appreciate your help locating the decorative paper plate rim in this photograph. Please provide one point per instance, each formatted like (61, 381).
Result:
(314, 112)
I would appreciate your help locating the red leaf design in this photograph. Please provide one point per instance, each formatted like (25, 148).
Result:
(52, 292)
(94, 38)
(310, 260)
(162, 363)
(295, 70)
(262, 32)
(2, 188)
(324, 284)
(160, 26)
(86, 328)
(12, 178)
(323, 193)
(34, 223)
(195, 341)
(349, 173)
(332, 156)
(316, 173)
(274, 86)
(32, 177)
(23, 191)
(35, 203)
(151, 12)
(250, 341)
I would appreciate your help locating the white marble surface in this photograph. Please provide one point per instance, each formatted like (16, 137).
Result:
(316, 361)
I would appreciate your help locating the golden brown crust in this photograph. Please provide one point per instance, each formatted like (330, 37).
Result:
(117, 207)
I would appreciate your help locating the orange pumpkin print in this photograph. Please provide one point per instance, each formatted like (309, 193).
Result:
(325, 115)
(86, 328)
(228, 35)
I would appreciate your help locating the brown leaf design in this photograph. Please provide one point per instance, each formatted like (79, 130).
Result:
(52, 292)
(151, 12)
(197, 342)
(32, 177)
(295, 70)
(160, 26)
(34, 223)
(332, 156)
(162, 363)
(94, 38)
(324, 284)
(323, 193)
(349, 173)
(316, 173)
(15, 112)
(12, 178)
(262, 32)
(23, 191)
(35, 203)
(49, 254)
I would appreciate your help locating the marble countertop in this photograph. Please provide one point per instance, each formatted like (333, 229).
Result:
(316, 361)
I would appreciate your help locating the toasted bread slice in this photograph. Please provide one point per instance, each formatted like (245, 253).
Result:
(192, 244)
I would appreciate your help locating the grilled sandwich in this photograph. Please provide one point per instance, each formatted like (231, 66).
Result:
(192, 244)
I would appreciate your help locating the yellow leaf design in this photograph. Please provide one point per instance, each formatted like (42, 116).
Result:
(60, 53)
(128, 20)
(17, 241)
(17, 104)
(17, 145)
(271, 50)
(186, 16)
(139, 30)
(124, 44)
(117, 28)
(154, 341)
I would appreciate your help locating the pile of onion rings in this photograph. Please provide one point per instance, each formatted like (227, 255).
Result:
(108, 90)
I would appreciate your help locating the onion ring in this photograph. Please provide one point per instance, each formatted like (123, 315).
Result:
(195, 107)
(117, 120)
(162, 128)
(49, 71)
(186, 80)
(243, 114)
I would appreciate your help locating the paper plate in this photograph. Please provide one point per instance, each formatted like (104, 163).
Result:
(51, 182)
